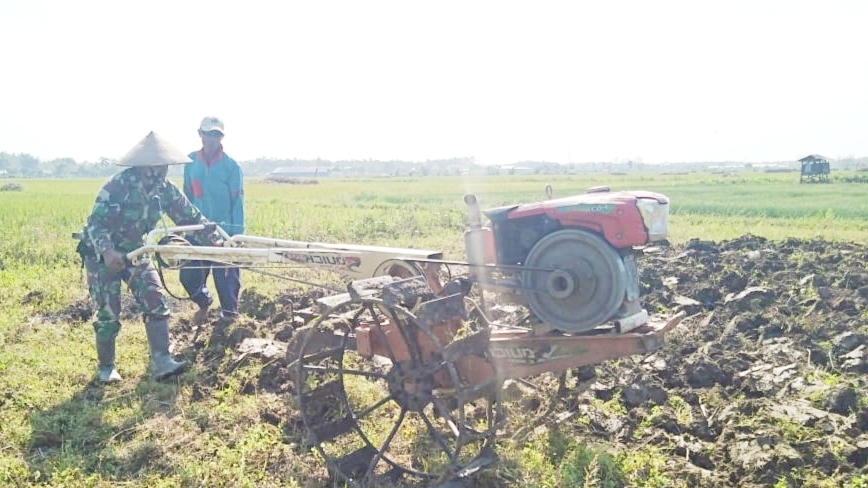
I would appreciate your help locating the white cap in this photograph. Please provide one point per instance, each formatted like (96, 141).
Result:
(153, 150)
(211, 123)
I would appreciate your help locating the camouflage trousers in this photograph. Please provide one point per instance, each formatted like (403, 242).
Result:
(104, 286)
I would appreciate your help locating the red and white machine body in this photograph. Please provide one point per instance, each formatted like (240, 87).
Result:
(573, 258)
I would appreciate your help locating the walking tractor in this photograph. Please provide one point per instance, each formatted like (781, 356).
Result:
(400, 379)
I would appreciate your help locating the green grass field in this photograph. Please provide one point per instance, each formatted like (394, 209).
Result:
(55, 431)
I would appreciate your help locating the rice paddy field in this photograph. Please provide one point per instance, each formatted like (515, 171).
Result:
(58, 429)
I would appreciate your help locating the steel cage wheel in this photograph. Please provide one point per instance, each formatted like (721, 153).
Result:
(382, 420)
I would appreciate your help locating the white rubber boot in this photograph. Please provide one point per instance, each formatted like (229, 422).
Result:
(106, 371)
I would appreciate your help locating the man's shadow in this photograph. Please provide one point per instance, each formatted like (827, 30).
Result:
(99, 430)
(93, 430)
(105, 430)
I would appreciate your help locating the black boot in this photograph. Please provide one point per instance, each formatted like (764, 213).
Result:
(162, 364)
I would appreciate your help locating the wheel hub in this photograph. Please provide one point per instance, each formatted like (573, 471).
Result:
(410, 386)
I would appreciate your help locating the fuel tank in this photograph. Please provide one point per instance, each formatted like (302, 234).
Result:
(624, 219)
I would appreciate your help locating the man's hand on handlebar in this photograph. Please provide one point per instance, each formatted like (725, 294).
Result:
(114, 260)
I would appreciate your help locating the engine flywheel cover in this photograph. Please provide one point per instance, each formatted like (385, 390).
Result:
(587, 284)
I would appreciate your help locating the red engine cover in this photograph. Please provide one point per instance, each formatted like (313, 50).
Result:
(613, 215)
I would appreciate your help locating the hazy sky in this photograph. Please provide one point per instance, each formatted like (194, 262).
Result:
(501, 81)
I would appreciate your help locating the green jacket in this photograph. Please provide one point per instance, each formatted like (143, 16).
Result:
(124, 212)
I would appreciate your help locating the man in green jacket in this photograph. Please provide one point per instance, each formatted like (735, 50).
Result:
(127, 207)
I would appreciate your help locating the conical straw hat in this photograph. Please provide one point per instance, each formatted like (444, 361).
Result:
(153, 150)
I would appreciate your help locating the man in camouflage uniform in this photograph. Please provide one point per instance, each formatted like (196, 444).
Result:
(127, 207)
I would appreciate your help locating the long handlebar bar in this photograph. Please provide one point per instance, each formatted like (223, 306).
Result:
(154, 236)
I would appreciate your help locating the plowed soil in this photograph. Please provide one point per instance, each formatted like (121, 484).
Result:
(770, 365)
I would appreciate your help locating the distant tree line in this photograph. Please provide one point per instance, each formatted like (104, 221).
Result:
(27, 166)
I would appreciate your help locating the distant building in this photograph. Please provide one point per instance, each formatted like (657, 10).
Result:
(300, 172)
(516, 170)
(815, 169)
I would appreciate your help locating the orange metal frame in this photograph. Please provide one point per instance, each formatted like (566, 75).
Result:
(507, 353)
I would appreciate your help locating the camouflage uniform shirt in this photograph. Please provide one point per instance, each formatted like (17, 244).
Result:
(125, 212)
